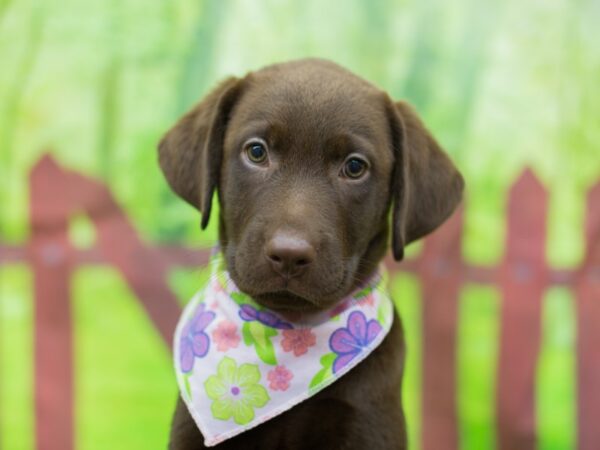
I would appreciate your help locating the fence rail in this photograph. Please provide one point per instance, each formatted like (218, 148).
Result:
(522, 277)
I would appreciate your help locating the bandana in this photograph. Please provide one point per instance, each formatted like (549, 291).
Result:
(239, 364)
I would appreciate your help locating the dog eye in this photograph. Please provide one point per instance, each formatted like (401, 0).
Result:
(256, 152)
(354, 168)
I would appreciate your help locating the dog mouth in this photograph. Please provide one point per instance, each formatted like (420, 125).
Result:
(288, 296)
(286, 301)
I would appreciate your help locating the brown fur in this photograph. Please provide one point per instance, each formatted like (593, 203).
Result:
(311, 115)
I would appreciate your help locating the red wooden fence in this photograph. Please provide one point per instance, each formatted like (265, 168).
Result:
(523, 276)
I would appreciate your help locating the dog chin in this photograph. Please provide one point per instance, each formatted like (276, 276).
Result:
(286, 301)
(282, 297)
(293, 295)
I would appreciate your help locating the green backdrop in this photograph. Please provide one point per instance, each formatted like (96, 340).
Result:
(502, 84)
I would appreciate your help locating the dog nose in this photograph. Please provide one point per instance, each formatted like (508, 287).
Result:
(289, 254)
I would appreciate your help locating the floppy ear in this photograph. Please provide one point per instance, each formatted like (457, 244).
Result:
(426, 186)
(190, 153)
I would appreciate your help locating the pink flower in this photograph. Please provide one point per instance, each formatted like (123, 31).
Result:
(367, 300)
(298, 341)
(226, 336)
(279, 378)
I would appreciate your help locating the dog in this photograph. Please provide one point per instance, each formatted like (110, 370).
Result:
(308, 161)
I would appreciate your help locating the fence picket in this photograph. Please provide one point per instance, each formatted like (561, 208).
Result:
(440, 269)
(143, 268)
(587, 291)
(523, 278)
(50, 254)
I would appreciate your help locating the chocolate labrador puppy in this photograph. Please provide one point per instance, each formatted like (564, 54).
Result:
(307, 160)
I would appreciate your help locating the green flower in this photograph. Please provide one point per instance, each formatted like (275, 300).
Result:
(235, 391)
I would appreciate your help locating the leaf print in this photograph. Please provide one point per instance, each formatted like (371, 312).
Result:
(246, 334)
(383, 313)
(188, 388)
(363, 292)
(240, 298)
(326, 372)
(256, 334)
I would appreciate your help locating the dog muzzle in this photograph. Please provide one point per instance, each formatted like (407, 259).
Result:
(239, 365)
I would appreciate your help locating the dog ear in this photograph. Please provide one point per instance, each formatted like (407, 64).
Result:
(426, 186)
(190, 153)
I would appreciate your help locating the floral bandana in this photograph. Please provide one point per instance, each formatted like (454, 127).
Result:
(239, 364)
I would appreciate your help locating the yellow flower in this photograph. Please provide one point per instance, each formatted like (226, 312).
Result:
(235, 391)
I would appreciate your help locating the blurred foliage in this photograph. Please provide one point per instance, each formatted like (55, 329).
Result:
(503, 84)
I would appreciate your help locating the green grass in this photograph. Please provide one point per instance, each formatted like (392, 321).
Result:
(16, 359)
(125, 385)
(556, 373)
(477, 355)
(406, 294)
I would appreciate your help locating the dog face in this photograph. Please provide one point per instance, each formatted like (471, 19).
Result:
(308, 160)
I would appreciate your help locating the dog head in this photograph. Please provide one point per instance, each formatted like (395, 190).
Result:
(308, 160)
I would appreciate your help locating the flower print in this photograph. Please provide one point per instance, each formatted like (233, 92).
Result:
(349, 342)
(194, 342)
(235, 391)
(250, 314)
(218, 287)
(226, 335)
(365, 296)
(367, 300)
(298, 340)
(279, 378)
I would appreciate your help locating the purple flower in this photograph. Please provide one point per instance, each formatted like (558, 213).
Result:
(251, 314)
(194, 341)
(349, 342)
(248, 313)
